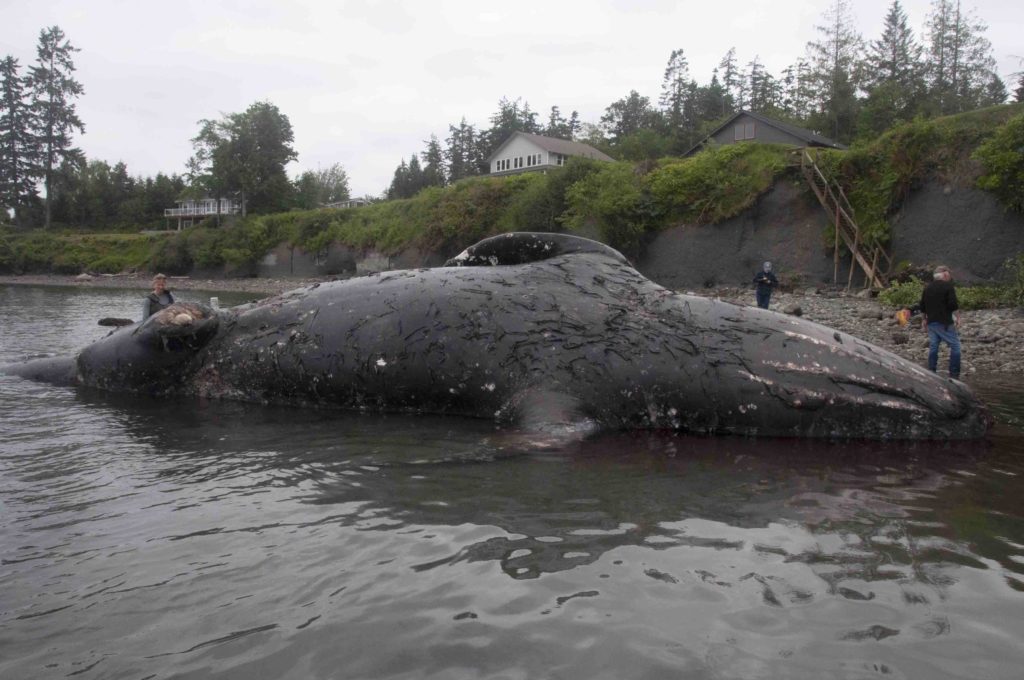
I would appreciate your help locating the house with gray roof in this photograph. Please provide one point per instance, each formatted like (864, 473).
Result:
(525, 152)
(747, 126)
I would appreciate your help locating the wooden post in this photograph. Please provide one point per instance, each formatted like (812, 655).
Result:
(835, 272)
(853, 257)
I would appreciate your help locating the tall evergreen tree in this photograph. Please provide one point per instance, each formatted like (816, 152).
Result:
(730, 81)
(54, 90)
(797, 90)
(561, 128)
(1018, 94)
(574, 125)
(834, 61)
(895, 57)
(960, 63)
(17, 186)
(995, 91)
(764, 92)
(415, 177)
(711, 103)
(510, 117)
(433, 164)
(399, 182)
(894, 74)
(675, 87)
(461, 152)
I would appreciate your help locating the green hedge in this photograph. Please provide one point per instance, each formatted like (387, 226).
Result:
(1008, 293)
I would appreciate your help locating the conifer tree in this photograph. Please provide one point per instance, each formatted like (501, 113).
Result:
(675, 88)
(433, 164)
(559, 127)
(461, 152)
(400, 182)
(894, 74)
(415, 177)
(730, 80)
(995, 91)
(960, 63)
(834, 61)
(17, 186)
(54, 90)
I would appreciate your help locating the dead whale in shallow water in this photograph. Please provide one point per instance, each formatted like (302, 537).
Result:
(545, 329)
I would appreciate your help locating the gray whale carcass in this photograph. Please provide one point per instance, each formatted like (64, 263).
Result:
(535, 329)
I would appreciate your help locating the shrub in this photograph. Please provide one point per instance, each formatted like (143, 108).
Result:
(1014, 268)
(7, 257)
(902, 294)
(1003, 159)
(717, 183)
(613, 199)
(172, 256)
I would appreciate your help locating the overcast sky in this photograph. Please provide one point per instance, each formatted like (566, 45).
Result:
(365, 83)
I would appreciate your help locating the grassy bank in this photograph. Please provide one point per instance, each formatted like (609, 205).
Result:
(619, 203)
(968, 149)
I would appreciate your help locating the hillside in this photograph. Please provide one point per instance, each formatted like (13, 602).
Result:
(706, 220)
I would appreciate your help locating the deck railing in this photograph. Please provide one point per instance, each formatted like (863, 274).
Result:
(202, 210)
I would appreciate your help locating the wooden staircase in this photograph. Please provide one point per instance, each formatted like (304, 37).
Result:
(869, 256)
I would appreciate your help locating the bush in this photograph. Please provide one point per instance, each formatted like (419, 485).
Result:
(613, 199)
(902, 294)
(1014, 268)
(172, 256)
(877, 176)
(908, 293)
(1003, 159)
(717, 183)
(6, 255)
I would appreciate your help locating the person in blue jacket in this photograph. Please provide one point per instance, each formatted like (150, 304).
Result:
(765, 282)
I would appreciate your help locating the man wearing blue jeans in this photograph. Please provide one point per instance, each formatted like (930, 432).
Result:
(941, 318)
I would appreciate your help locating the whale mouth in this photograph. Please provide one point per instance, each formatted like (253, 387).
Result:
(181, 325)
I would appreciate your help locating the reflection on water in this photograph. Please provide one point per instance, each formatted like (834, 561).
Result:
(147, 538)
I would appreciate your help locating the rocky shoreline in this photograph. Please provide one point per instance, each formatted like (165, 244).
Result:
(993, 339)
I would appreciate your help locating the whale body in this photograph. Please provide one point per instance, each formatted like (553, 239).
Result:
(537, 329)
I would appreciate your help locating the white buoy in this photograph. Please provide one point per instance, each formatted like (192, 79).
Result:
(215, 302)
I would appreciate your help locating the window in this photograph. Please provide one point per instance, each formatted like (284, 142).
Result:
(743, 131)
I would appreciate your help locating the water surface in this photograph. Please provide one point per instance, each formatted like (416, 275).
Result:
(194, 539)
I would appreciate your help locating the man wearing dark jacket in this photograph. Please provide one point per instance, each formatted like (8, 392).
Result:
(941, 314)
(765, 281)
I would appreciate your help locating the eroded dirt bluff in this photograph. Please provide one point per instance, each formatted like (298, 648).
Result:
(962, 227)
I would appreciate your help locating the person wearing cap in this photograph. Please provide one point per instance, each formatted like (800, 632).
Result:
(765, 281)
(941, 317)
(160, 298)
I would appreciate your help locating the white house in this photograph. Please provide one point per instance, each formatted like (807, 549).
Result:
(195, 209)
(524, 152)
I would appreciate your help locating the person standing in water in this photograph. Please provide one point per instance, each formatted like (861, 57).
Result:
(160, 298)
